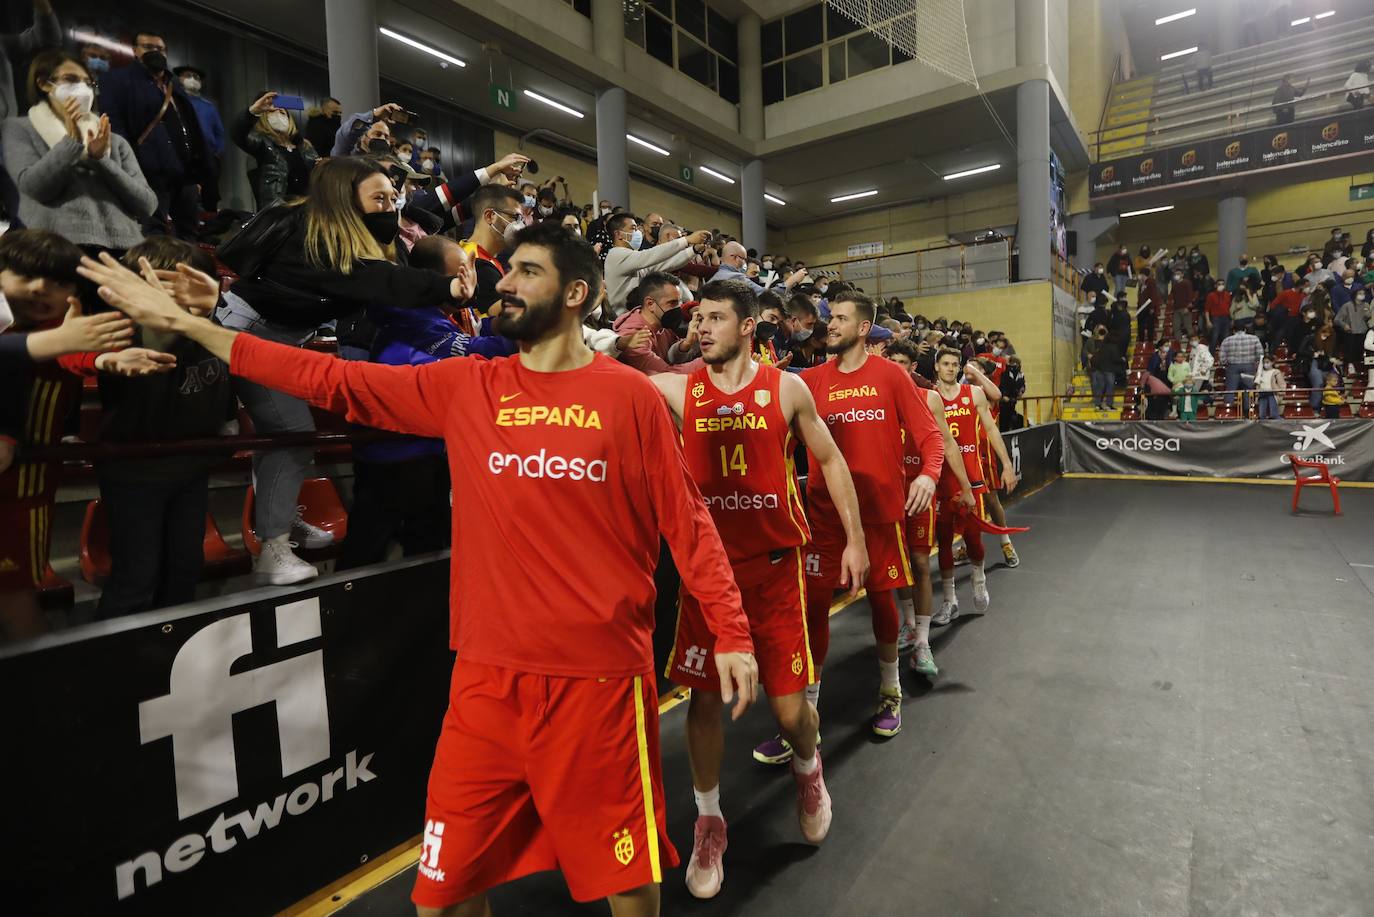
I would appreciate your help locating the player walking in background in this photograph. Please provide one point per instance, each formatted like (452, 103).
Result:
(986, 373)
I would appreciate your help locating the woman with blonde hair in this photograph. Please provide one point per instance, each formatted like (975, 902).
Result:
(284, 157)
(322, 259)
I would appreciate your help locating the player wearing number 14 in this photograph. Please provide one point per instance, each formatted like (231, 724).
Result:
(737, 418)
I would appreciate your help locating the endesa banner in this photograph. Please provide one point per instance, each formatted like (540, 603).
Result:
(1232, 449)
(1233, 154)
(228, 757)
(1036, 454)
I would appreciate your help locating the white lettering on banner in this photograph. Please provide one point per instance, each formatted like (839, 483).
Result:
(857, 415)
(429, 853)
(1138, 443)
(1016, 455)
(739, 501)
(543, 465)
(1324, 459)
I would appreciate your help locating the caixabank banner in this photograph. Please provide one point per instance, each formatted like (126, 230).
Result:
(228, 757)
(1232, 449)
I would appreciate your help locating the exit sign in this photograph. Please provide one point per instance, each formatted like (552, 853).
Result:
(1362, 192)
(685, 173)
(503, 97)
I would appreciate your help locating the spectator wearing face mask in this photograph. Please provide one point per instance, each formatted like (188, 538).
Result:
(1148, 301)
(626, 263)
(1201, 362)
(1181, 298)
(545, 205)
(734, 258)
(148, 107)
(497, 219)
(1353, 321)
(1095, 282)
(1344, 290)
(1243, 307)
(1120, 268)
(1243, 272)
(284, 159)
(211, 128)
(46, 32)
(656, 306)
(367, 133)
(1106, 365)
(76, 177)
(1218, 309)
(1269, 384)
(322, 124)
(430, 163)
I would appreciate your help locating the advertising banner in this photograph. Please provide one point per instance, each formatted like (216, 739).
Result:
(1266, 147)
(1240, 449)
(228, 757)
(1036, 454)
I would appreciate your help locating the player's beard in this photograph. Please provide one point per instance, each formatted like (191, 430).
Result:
(841, 346)
(720, 355)
(533, 324)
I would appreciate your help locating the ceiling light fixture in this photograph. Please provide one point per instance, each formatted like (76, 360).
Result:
(1172, 54)
(647, 145)
(978, 171)
(720, 175)
(1175, 16)
(552, 104)
(1137, 213)
(777, 200)
(1324, 15)
(1303, 21)
(419, 46)
(853, 197)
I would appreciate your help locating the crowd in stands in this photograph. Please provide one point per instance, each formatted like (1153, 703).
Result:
(363, 239)
(1269, 328)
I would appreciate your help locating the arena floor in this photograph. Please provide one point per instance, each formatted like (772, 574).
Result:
(1166, 712)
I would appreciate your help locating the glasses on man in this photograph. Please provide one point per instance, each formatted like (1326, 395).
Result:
(144, 47)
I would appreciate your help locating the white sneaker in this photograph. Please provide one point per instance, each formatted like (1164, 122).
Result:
(949, 610)
(906, 638)
(706, 869)
(311, 536)
(277, 566)
(981, 599)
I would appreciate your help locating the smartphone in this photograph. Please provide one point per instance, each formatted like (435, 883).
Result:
(292, 103)
(405, 116)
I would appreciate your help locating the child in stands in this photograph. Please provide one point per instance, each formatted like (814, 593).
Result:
(1332, 396)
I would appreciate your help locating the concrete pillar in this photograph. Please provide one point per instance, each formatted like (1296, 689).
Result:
(1033, 179)
(612, 172)
(753, 207)
(1032, 32)
(351, 36)
(748, 29)
(1231, 232)
(608, 32)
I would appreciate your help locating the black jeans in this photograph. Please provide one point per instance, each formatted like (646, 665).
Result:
(407, 501)
(157, 534)
(178, 200)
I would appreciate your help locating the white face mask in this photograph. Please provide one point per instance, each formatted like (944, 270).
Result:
(545, 211)
(83, 93)
(400, 203)
(595, 314)
(279, 121)
(191, 84)
(6, 316)
(428, 165)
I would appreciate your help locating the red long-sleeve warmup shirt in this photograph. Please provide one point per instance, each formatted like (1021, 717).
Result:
(562, 484)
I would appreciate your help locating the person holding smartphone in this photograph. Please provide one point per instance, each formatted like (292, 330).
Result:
(284, 158)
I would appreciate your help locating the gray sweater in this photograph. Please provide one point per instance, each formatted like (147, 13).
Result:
(91, 202)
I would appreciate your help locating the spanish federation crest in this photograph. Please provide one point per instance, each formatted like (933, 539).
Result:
(964, 400)
(763, 397)
(624, 846)
(698, 390)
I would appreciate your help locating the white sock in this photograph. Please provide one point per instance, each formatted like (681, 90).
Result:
(813, 694)
(888, 675)
(908, 609)
(979, 576)
(804, 767)
(708, 801)
(1006, 539)
(923, 630)
(947, 583)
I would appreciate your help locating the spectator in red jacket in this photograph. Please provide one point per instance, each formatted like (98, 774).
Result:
(1218, 309)
(1181, 298)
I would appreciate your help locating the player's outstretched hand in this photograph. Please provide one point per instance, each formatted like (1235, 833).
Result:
(854, 567)
(919, 496)
(739, 680)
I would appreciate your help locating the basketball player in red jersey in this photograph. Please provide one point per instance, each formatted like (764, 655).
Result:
(737, 417)
(985, 371)
(966, 411)
(548, 756)
(867, 402)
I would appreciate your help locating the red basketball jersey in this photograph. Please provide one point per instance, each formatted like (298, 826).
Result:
(966, 427)
(739, 452)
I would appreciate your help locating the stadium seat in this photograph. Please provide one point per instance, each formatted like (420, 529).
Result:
(220, 559)
(1367, 409)
(322, 507)
(1135, 378)
(1281, 353)
(1226, 411)
(1300, 409)
(1323, 478)
(1130, 412)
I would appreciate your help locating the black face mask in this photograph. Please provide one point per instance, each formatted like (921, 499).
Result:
(378, 147)
(674, 320)
(383, 225)
(764, 331)
(155, 61)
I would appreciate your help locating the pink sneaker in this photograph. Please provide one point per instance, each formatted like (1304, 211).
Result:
(813, 803)
(706, 869)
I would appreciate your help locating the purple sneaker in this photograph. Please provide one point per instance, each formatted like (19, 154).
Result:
(888, 720)
(776, 750)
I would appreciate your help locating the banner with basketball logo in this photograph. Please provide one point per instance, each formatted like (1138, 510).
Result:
(1230, 449)
(227, 757)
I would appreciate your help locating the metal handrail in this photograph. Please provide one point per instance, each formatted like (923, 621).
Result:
(220, 445)
(1107, 104)
(1227, 115)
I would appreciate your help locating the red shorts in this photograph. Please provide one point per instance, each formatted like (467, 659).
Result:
(889, 567)
(774, 592)
(536, 772)
(945, 514)
(25, 537)
(991, 476)
(920, 529)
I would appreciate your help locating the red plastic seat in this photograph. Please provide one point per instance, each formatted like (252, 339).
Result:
(1226, 411)
(220, 559)
(1323, 478)
(322, 507)
(1299, 409)
(1367, 409)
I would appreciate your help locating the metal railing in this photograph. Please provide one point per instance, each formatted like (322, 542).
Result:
(927, 271)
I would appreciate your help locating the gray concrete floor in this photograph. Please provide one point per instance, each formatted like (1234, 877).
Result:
(1167, 711)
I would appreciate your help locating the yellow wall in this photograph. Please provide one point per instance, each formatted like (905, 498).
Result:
(898, 228)
(1278, 218)
(644, 197)
(1092, 57)
(1023, 310)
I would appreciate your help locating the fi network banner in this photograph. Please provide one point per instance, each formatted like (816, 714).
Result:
(1036, 454)
(1242, 449)
(229, 757)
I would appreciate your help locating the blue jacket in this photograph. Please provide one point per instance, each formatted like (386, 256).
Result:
(1340, 295)
(132, 99)
(412, 337)
(211, 127)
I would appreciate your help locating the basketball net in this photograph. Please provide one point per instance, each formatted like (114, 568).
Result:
(933, 32)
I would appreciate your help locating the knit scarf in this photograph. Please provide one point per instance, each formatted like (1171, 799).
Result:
(52, 128)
